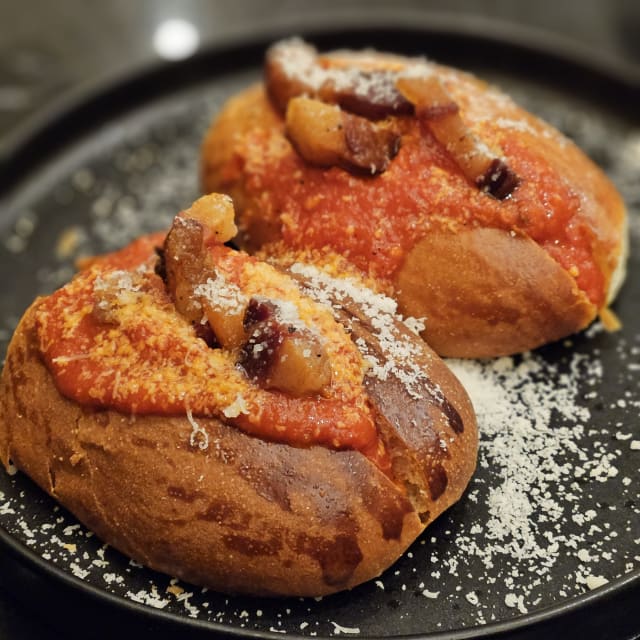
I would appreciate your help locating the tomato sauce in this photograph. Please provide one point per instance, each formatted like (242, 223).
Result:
(146, 359)
(382, 217)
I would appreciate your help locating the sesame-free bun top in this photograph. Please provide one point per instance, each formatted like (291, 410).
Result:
(474, 214)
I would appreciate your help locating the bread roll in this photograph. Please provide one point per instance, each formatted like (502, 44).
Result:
(163, 396)
(472, 213)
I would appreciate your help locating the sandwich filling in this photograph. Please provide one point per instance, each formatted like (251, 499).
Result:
(388, 149)
(252, 351)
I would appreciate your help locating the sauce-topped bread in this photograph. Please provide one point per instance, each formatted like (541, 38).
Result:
(232, 424)
(472, 213)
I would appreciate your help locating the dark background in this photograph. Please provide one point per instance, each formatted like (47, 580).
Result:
(51, 51)
(49, 48)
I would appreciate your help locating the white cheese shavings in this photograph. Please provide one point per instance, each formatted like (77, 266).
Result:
(78, 571)
(595, 582)
(238, 406)
(286, 312)
(299, 63)
(116, 280)
(199, 437)
(417, 325)
(222, 295)
(150, 598)
(399, 353)
(524, 443)
(340, 629)
(515, 601)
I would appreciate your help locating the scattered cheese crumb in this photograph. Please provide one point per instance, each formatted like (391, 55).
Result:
(238, 406)
(594, 582)
(199, 437)
(340, 629)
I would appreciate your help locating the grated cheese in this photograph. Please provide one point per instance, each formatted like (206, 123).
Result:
(301, 64)
(238, 406)
(199, 437)
(400, 354)
(161, 175)
(222, 295)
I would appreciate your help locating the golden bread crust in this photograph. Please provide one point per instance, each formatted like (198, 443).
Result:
(481, 305)
(242, 515)
(557, 182)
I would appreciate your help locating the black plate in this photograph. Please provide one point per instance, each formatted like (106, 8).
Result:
(546, 541)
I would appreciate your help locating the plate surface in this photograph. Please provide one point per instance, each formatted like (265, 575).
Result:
(548, 533)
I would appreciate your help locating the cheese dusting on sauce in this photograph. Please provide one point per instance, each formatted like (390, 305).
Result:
(113, 339)
(375, 221)
(381, 311)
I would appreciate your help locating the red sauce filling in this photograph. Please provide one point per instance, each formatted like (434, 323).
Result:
(157, 365)
(383, 217)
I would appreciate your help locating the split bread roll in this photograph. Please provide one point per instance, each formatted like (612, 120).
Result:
(473, 214)
(230, 424)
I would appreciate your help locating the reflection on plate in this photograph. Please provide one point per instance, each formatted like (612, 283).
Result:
(553, 511)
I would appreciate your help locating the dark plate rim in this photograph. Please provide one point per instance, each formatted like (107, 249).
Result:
(571, 607)
(76, 112)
